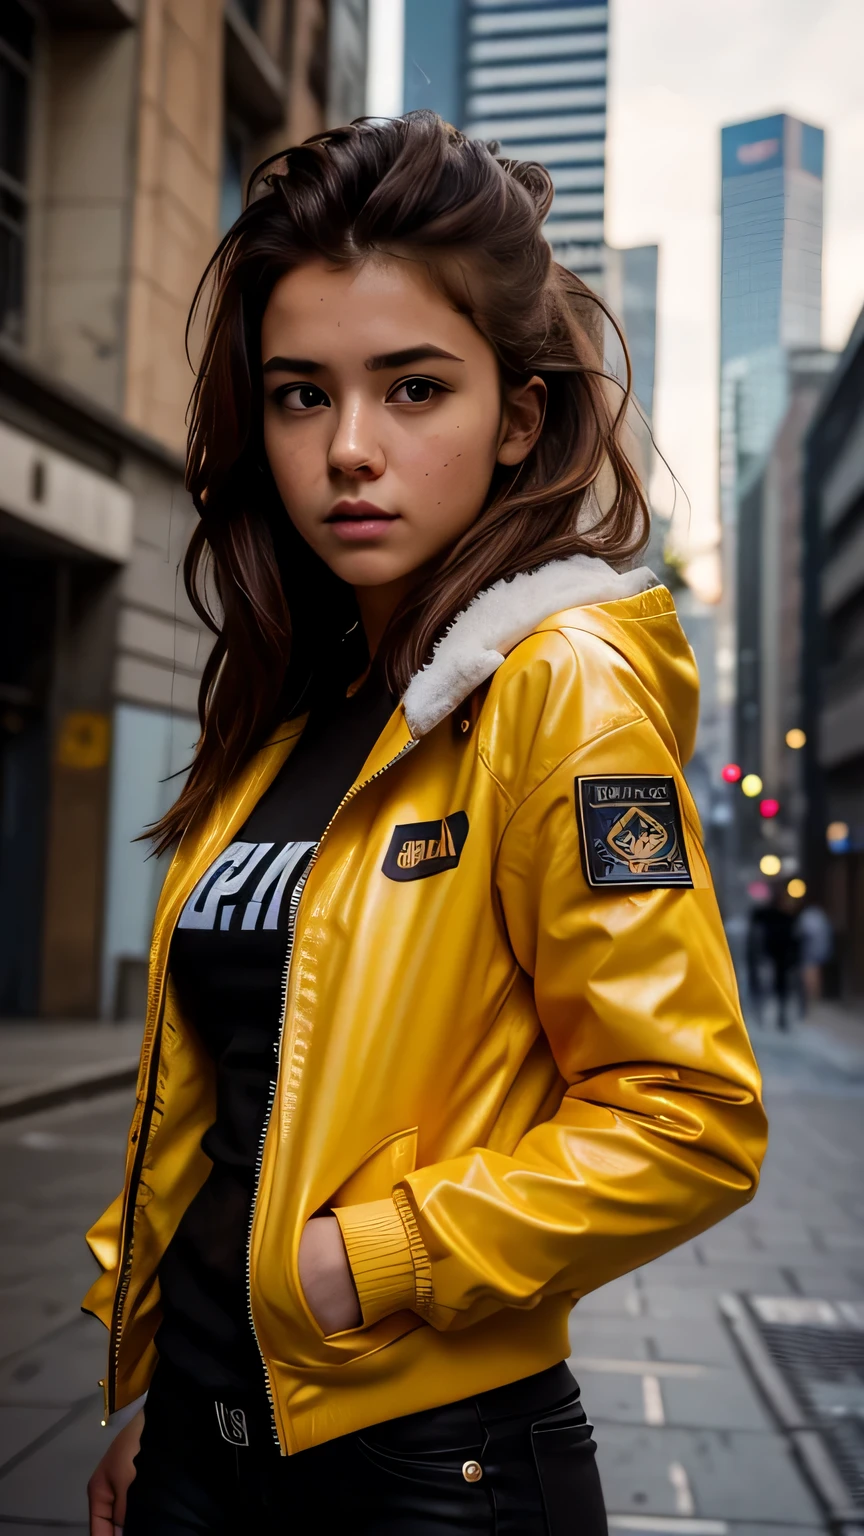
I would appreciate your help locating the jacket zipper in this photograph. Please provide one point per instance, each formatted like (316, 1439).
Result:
(271, 1097)
(126, 1246)
(127, 1243)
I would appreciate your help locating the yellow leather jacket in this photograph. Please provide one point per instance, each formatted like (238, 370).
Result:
(512, 1059)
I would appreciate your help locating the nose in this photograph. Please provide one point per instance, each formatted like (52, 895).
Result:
(355, 448)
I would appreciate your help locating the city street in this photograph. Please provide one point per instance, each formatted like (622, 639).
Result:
(609, 583)
(688, 1441)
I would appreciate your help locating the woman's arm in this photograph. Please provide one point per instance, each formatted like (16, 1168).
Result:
(659, 1132)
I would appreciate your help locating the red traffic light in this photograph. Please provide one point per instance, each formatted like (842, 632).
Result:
(769, 808)
(731, 773)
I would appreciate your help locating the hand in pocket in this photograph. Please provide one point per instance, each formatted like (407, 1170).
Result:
(326, 1278)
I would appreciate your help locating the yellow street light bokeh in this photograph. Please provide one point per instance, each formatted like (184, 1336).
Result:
(770, 864)
(797, 888)
(751, 785)
(796, 738)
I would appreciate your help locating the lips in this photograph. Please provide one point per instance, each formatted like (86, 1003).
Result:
(359, 520)
(360, 512)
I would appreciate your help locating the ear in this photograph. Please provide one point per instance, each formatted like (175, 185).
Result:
(521, 420)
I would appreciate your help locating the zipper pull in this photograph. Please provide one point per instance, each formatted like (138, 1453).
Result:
(103, 1383)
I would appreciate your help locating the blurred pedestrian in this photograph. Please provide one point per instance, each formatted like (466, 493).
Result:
(772, 951)
(815, 936)
(442, 1030)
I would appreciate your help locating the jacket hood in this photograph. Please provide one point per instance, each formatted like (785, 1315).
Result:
(505, 613)
(496, 620)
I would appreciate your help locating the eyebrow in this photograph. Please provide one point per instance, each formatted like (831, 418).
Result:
(410, 355)
(374, 364)
(291, 365)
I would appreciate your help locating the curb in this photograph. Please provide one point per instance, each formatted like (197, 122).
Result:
(17, 1102)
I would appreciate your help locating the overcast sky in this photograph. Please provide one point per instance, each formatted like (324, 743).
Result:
(679, 70)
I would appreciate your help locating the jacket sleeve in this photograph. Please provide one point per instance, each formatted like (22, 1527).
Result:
(103, 1240)
(659, 1131)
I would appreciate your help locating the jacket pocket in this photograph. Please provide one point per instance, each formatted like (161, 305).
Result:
(373, 1179)
(382, 1168)
(564, 1455)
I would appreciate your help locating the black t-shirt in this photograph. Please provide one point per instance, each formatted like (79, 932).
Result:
(227, 962)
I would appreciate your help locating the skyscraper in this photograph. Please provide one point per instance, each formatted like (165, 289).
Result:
(532, 76)
(833, 676)
(630, 290)
(771, 270)
(536, 81)
(770, 309)
(771, 299)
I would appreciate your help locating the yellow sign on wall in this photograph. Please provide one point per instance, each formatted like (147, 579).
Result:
(84, 740)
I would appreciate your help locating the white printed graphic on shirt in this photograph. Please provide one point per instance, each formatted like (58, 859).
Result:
(228, 875)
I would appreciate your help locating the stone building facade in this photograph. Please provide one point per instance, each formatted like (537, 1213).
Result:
(129, 129)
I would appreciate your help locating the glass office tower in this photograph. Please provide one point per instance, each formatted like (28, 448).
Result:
(536, 80)
(770, 308)
(532, 76)
(771, 273)
(770, 304)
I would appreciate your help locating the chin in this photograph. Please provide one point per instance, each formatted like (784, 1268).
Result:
(369, 567)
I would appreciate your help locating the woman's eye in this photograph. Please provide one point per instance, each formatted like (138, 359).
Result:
(302, 397)
(414, 392)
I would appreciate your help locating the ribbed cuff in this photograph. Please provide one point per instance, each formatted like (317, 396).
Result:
(389, 1263)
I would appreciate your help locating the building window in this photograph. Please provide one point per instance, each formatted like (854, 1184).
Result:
(16, 54)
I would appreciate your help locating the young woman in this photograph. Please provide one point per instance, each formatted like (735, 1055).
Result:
(442, 1029)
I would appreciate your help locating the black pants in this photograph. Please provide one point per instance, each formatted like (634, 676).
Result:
(517, 1461)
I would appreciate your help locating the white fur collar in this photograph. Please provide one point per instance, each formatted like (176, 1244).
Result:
(481, 635)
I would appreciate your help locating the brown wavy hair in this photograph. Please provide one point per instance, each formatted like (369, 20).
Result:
(413, 187)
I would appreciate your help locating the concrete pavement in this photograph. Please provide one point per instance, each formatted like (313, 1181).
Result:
(689, 1440)
(44, 1063)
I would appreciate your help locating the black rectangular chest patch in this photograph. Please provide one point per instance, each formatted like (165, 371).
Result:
(630, 830)
(424, 848)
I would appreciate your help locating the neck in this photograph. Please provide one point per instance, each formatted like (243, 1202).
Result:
(378, 604)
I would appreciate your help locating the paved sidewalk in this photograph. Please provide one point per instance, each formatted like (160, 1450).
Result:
(689, 1444)
(834, 1033)
(43, 1063)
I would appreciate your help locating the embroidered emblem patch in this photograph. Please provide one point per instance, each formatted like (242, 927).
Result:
(631, 833)
(426, 847)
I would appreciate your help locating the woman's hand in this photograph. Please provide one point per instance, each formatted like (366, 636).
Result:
(326, 1278)
(106, 1490)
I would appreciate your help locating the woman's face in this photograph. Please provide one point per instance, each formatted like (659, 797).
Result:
(384, 416)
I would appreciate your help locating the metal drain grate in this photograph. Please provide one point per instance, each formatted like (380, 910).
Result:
(825, 1369)
(808, 1357)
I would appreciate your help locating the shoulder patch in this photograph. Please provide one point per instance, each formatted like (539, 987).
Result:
(424, 848)
(630, 830)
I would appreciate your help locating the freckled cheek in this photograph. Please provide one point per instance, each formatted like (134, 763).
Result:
(456, 461)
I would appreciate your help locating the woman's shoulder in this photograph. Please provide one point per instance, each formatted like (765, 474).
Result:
(585, 672)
